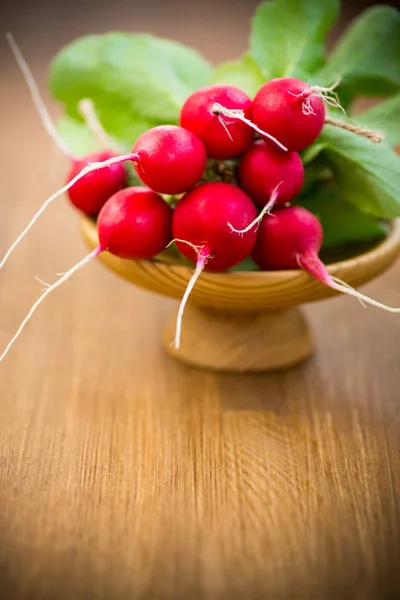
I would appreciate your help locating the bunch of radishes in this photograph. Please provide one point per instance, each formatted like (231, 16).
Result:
(215, 224)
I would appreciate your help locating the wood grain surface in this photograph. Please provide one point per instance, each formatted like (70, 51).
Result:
(125, 475)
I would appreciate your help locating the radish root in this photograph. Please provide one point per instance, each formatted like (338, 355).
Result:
(340, 281)
(36, 98)
(195, 248)
(265, 211)
(235, 113)
(313, 265)
(47, 291)
(228, 133)
(370, 134)
(327, 94)
(88, 169)
(345, 289)
(202, 258)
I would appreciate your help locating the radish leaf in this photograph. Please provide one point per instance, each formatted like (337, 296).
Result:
(368, 174)
(367, 57)
(135, 80)
(288, 36)
(384, 117)
(243, 73)
(342, 223)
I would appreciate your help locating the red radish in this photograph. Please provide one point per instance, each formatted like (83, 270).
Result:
(220, 116)
(169, 144)
(291, 238)
(223, 138)
(170, 159)
(261, 169)
(200, 226)
(91, 192)
(201, 217)
(135, 223)
(290, 110)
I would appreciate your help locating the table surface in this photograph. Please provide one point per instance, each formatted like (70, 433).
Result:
(126, 475)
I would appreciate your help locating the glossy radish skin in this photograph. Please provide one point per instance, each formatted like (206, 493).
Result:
(91, 192)
(262, 168)
(197, 116)
(284, 109)
(287, 238)
(202, 218)
(135, 223)
(171, 159)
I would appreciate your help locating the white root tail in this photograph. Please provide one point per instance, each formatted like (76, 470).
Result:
(88, 169)
(46, 292)
(36, 98)
(88, 112)
(202, 259)
(346, 289)
(237, 113)
(266, 210)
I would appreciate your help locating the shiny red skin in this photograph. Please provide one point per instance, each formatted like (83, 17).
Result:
(171, 159)
(197, 116)
(91, 192)
(277, 111)
(262, 168)
(287, 235)
(135, 223)
(201, 217)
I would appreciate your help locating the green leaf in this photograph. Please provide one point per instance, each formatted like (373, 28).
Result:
(246, 265)
(288, 36)
(312, 152)
(367, 57)
(384, 117)
(243, 73)
(135, 81)
(342, 223)
(77, 136)
(368, 174)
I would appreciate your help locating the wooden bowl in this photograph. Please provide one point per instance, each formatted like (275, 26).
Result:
(244, 321)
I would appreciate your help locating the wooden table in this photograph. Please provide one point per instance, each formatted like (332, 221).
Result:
(125, 475)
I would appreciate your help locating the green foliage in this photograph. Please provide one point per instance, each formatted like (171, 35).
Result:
(135, 81)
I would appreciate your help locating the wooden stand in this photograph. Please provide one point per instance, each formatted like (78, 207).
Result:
(240, 342)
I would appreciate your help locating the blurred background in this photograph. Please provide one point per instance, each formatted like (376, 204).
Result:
(88, 391)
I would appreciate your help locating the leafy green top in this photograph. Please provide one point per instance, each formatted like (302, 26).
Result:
(137, 81)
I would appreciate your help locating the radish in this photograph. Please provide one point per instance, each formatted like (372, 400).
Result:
(169, 159)
(221, 137)
(292, 238)
(134, 223)
(201, 218)
(290, 110)
(220, 116)
(261, 169)
(169, 145)
(91, 192)
(200, 227)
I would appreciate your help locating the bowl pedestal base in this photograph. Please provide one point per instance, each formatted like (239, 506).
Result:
(240, 341)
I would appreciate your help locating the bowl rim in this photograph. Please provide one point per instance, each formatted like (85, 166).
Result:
(386, 245)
